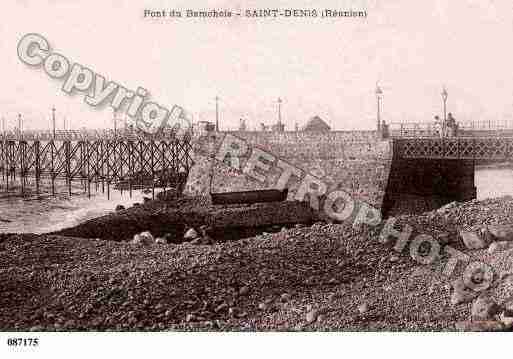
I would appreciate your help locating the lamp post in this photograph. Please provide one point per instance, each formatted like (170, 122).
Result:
(53, 122)
(444, 98)
(217, 113)
(115, 119)
(279, 114)
(19, 126)
(379, 97)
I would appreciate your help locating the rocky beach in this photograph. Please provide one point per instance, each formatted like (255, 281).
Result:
(307, 275)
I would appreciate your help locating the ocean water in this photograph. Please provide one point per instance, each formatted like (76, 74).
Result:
(493, 181)
(32, 215)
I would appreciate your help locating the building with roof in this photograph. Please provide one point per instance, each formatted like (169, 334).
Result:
(316, 124)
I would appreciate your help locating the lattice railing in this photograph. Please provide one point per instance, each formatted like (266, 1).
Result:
(457, 147)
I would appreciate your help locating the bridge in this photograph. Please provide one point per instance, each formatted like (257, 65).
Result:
(127, 162)
(428, 170)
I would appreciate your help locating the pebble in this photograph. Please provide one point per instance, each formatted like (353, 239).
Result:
(232, 312)
(363, 308)
(484, 308)
(332, 296)
(506, 320)
(472, 240)
(461, 294)
(263, 306)
(499, 246)
(285, 297)
(333, 281)
(244, 290)
(499, 232)
(444, 238)
(190, 234)
(311, 316)
(479, 326)
(221, 307)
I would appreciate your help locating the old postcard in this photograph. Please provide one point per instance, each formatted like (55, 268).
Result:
(254, 166)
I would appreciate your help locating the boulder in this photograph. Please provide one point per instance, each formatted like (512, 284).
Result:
(145, 238)
(311, 316)
(137, 239)
(446, 207)
(484, 308)
(499, 246)
(473, 240)
(190, 234)
(500, 232)
(480, 326)
(160, 240)
(461, 294)
(507, 320)
(363, 308)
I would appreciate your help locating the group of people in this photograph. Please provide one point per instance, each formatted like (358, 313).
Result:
(446, 128)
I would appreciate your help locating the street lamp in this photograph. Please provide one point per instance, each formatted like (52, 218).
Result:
(53, 122)
(20, 126)
(444, 98)
(217, 113)
(379, 97)
(280, 126)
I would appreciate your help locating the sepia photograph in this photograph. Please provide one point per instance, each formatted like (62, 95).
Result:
(263, 177)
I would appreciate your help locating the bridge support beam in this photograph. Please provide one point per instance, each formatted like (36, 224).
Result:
(419, 185)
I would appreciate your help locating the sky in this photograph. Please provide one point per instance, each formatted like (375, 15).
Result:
(324, 67)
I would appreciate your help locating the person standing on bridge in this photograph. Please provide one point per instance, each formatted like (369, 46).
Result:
(452, 126)
(438, 127)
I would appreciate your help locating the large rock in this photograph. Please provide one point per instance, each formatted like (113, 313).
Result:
(480, 326)
(311, 316)
(461, 294)
(500, 232)
(145, 238)
(499, 246)
(484, 308)
(473, 240)
(160, 240)
(506, 320)
(190, 234)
